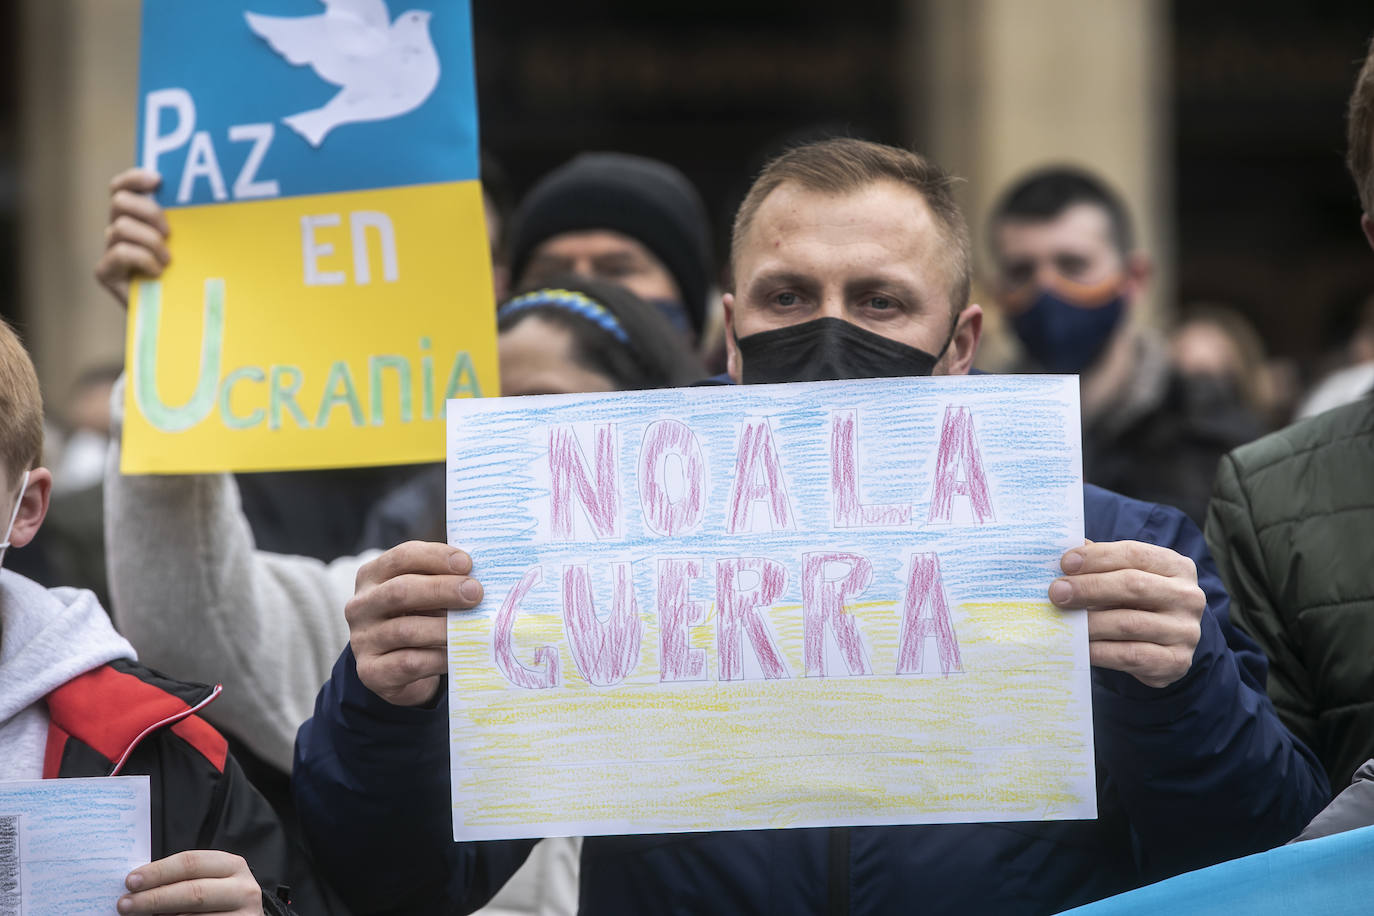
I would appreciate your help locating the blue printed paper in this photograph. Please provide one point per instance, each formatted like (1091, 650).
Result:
(66, 845)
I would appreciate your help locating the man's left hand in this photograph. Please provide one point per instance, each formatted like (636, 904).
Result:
(1144, 607)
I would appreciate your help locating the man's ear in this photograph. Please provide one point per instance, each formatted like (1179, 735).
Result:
(963, 346)
(1367, 225)
(33, 508)
(733, 366)
(1140, 270)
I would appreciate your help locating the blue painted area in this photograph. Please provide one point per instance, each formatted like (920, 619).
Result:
(236, 78)
(78, 839)
(1325, 877)
(1027, 438)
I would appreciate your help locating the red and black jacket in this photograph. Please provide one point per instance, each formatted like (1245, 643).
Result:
(125, 719)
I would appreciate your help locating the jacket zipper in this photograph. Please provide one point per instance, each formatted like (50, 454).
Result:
(169, 721)
(838, 887)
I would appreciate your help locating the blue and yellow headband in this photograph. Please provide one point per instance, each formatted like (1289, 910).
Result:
(569, 300)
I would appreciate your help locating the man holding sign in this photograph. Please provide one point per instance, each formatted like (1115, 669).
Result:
(850, 260)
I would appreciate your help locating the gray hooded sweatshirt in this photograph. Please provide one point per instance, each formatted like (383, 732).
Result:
(47, 637)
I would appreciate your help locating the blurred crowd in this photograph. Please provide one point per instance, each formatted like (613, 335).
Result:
(1233, 680)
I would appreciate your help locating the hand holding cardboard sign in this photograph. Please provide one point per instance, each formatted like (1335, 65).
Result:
(396, 618)
(136, 237)
(1146, 607)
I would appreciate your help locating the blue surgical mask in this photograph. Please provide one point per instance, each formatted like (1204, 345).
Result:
(14, 516)
(1065, 337)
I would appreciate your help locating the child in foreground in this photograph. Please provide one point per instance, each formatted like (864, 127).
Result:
(75, 702)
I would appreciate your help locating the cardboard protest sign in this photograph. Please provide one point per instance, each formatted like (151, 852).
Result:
(768, 606)
(330, 282)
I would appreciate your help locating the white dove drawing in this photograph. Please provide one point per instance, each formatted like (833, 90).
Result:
(384, 68)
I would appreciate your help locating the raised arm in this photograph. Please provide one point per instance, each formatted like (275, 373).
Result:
(195, 597)
(189, 589)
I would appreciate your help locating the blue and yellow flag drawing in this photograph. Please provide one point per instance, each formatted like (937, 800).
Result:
(330, 283)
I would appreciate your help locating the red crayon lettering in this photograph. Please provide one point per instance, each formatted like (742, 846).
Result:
(847, 511)
(604, 651)
(544, 673)
(758, 476)
(599, 496)
(738, 614)
(959, 469)
(926, 587)
(677, 614)
(662, 514)
(823, 606)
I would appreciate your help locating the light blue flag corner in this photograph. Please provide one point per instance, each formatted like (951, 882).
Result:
(1331, 876)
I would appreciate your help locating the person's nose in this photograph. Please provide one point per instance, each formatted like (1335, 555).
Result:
(1045, 274)
(832, 305)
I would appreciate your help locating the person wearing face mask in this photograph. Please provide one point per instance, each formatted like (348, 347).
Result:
(850, 260)
(1067, 275)
(75, 702)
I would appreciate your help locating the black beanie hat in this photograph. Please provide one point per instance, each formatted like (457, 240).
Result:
(648, 200)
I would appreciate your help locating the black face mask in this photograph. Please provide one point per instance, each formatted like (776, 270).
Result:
(827, 349)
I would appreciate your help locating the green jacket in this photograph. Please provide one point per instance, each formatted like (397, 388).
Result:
(1291, 526)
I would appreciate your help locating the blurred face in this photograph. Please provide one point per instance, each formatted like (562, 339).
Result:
(536, 357)
(601, 254)
(1072, 254)
(1202, 348)
(875, 258)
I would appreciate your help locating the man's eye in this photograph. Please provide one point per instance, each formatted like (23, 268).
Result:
(881, 303)
(1016, 275)
(1072, 267)
(786, 299)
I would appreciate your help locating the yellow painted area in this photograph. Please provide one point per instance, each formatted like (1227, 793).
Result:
(435, 312)
(1011, 733)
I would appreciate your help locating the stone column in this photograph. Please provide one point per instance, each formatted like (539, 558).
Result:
(1002, 86)
(79, 78)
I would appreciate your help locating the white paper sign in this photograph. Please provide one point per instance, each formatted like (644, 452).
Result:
(770, 606)
(66, 845)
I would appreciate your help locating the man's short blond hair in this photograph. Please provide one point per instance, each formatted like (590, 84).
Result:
(1359, 121)
(844, 166)
(21, 407)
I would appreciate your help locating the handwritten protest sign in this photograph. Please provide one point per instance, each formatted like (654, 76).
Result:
(66, 845)
(330, 282)
(768, 606)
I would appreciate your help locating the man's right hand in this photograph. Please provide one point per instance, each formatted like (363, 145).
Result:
(136, 237)
(396, 618)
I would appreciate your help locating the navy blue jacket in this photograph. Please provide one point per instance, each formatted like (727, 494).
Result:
(1189, 775)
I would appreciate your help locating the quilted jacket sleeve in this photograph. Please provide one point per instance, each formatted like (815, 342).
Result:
(1203, 768)
(1235, 546)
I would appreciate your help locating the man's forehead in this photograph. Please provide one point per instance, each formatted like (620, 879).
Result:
(1078, 226)
(884, 213)
(793, 205)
